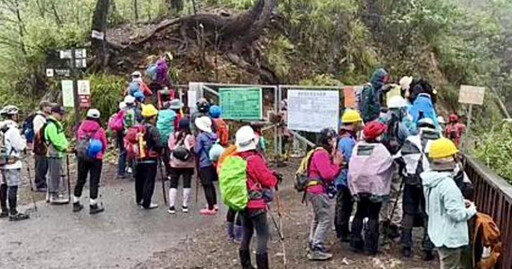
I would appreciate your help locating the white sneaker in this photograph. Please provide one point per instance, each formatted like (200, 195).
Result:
(184, 209)
(151, 206)
(59, 200)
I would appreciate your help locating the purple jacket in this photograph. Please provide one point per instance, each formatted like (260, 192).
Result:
(162, 74)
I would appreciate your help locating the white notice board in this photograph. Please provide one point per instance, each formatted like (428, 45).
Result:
(313, 111)
(471, 95)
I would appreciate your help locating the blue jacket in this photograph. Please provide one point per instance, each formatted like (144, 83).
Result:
(423, 103)
(447, 213)
(345, 145)
(204, 143)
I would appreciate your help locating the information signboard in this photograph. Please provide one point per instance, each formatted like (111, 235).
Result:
(241, 103)
(313, 111)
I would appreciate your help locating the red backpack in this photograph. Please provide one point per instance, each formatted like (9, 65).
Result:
(222, 131)
(136, 143)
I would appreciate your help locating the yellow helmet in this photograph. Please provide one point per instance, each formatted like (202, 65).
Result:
(351, 116)
(442, 148)
(149, 111)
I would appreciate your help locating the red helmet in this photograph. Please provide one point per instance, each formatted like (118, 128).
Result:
(374, 129)
(454, 118)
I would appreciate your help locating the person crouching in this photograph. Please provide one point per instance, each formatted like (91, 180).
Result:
(370, 172)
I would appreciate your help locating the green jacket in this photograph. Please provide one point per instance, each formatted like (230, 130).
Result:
(55, 137)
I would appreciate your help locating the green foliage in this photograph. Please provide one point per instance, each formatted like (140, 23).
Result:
(279, 55)
(321, 80)
(106, 93)
(495, 150)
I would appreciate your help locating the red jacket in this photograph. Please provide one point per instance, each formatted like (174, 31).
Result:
(324, 169)
(259, 177)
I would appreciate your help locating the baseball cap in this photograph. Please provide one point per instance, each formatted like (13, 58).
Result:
(58, 109)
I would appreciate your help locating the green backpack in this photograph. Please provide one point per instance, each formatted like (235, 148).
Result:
(233, 183)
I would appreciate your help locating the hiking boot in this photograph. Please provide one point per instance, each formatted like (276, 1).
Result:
(319, 255)
(429, 255)
(95, 209)
(406, 252)
(262, 261)
(171, 210)
(184, 209)
(77, 207)
(4, 214)
(230, 229)
(18, 216)
(245, 259)
(58, 199)
(151, 206)
(208, 212)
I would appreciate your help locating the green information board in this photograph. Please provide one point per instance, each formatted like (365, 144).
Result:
(241, 103)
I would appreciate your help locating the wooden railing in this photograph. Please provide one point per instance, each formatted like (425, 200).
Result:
(493, 196)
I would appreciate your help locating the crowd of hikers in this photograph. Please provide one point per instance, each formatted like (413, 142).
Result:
(391, 166)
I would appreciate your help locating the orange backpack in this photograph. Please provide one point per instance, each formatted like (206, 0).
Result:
(486, 239)
(222, 131)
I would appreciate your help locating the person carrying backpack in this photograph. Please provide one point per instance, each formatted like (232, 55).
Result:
(41, 161)
(414, 154)
(222, 127)
(57, 143)
(166, 125)
(423, 107)
(132, 117)
(206, 170)
(116, 124)
(370, 172)
(14, 145)
(372, 95)
(448, 212)
(260, 181)
(202, 109)
(145, 144)
(136, 85)
(455, 129)
(352, 124)
(325, 165)
(91, 146)
(182, 162)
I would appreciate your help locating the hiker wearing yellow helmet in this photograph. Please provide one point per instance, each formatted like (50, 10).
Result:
(351, 124)
(146, 169)
(446, 208)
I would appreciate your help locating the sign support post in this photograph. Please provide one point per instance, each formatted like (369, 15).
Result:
(75, 87)
(470, 95)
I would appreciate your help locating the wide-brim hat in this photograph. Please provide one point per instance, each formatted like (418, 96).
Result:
(204, 124)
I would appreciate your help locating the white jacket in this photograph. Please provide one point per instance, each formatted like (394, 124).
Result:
(14, 143)
(38, 121)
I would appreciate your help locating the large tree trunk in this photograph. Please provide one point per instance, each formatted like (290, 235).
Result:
(99, 24)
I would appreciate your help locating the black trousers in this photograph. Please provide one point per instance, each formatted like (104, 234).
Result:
(232, 215)
(93, 169)
(187, 177)
(366, 209)
(414, 210)
(41, 167)
(254, 221)
(208, 175)
(343, 211)
(9, 194)
(145, 176)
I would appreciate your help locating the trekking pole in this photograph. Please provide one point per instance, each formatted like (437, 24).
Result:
(69, 178)
(31, 186)
(279, 214)
(161, 163)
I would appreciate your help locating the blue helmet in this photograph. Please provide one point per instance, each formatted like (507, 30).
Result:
(215, 111)
(95, 147)
(139, 96)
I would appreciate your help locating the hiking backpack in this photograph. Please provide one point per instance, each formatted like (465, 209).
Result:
(28, 128)
(302, 173)
(152, 71)
(391, 140)
(40, 145)
(369, 105)
(216, 151)
(4, 155)
(181, 152)
(135, 142)
(222, 131)
(116, 122)
(84, 144)
(486, 242)
(233, 183)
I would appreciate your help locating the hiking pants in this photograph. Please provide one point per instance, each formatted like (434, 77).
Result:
(321, 219)
(455, 258)
(414, 208)
(186, 173)
(343, 211)
(254, 220)
(366, 209)
(121, 161)
(93, 169)
(9, 192)
(389, 211)
(41, 168)
(232, 215)
(208, 175)
(145, 176)
(55, 166)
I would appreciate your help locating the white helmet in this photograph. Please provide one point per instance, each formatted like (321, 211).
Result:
(397, 102)
(405, 82)
(441, 120)
(10, 110)
(136, 74)
(245, 139)
(426, 122)
(129, 100)
(122, 105)
(93, 113)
